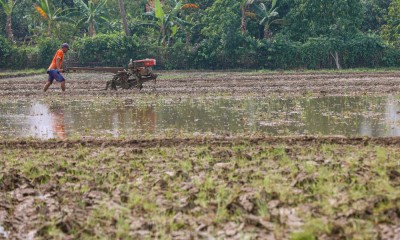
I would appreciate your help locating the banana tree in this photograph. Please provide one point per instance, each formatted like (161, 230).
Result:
(187, 25)
(90, 14)
(49, 13)
(165, 22)
(268, 17)
(8, 7)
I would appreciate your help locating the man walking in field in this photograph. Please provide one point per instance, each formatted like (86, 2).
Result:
(55, 68)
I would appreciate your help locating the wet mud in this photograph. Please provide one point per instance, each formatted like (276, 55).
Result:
(199, 141)
(193, 83)
(230, 188)
(225, 187)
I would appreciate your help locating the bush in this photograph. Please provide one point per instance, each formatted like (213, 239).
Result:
(315, 53)
(46, 49)
(284, 54)
(5, 52)
(363, 51)
(391, 57)
(107, 50)
(247, 52)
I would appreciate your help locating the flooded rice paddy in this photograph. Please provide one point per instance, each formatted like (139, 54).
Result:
(204, 155)
(376, 116)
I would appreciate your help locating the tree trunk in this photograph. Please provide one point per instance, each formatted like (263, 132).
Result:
(49, 28)
(187, 43)
(123, 16)
(267, 32)
(163, 40)
(243, 26)
(91, 29)
(9, 28)
(337, 62)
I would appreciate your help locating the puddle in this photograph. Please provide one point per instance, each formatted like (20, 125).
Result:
(3, 232)
(343, 115)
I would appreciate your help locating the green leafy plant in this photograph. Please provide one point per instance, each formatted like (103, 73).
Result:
(89, 14)
(8, 7)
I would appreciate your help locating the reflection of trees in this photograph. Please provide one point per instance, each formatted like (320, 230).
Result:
(209, 116)
(388, 126)
(325, 116)
(87, 117)
(9, 125)
(134, 120)
(392, 118)
(371, 116)
(342, 115)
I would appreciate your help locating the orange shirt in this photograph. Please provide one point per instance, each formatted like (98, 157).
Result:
(60, 55)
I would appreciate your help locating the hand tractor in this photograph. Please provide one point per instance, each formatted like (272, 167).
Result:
(139, 72)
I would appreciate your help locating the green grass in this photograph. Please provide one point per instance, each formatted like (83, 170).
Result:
(24, 72)
(291, 191)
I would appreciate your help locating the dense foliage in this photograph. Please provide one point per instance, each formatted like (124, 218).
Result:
(203, 34)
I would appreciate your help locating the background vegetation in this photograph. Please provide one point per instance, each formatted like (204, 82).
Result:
(203, 34)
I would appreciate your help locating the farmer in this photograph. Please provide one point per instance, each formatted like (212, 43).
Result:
(56, 67)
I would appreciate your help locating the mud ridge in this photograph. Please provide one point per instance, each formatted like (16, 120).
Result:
(222, 141)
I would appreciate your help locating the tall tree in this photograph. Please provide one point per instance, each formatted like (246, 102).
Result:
(8, 7)
(90, 13)
(123, 16)
(223, 42)
(391, 31)
(336, 21)
(49, 13)
(375, 12)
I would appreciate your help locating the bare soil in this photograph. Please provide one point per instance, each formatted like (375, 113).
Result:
(194, 83)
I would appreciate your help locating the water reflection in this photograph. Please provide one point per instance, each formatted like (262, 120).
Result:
(57, 121)
(44, 121)
(3, 232)
(39, 122)
(349, 116)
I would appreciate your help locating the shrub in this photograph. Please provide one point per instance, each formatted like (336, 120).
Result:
(363, 51)
(5, 52)
(391, 57)
(110, 50)
(46, 50)
(284, 54)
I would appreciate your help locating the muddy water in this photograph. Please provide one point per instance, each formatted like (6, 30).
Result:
(3, 233)
(348, 116)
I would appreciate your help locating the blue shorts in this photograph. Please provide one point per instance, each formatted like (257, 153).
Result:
(54, 74)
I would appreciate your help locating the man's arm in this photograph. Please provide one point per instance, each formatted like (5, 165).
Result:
(58, 64)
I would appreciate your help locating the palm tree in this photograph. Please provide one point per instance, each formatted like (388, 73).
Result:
(90, 13)
(8, 9)
(49, 13)
(123, 16)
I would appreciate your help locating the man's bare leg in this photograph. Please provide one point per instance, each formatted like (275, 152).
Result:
(47, 86)
(63, 86)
